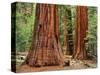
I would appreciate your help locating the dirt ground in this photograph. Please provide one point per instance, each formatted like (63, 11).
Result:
(74, 64)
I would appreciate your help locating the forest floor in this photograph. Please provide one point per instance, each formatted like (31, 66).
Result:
(74, 64)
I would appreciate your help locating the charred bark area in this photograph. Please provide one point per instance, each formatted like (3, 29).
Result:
(45, 49)
(81, 28)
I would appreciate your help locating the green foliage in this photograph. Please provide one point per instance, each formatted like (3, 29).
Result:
(25, 15)
(91, 44)
(68, 12)
(92, 31)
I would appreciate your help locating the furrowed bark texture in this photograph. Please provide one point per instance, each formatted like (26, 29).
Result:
(45, 49)
(81, 28)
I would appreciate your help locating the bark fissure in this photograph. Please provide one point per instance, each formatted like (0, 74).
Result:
(45, 49)
(81, 28)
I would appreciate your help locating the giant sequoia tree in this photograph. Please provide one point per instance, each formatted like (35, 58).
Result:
(81, 28)
(45, 48)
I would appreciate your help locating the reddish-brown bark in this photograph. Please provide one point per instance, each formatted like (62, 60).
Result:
(81, 28)
(45, 49)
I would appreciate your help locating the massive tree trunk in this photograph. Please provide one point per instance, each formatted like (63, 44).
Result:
(81, 28)
(45, 49)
